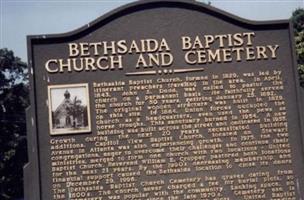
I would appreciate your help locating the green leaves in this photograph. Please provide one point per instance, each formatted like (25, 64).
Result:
(13, 101)
(298, 20)
(298, 24)
(13, 70)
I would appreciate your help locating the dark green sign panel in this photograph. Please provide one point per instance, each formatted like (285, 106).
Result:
(165, 100)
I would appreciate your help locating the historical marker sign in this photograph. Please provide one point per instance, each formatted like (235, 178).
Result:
(165, 100)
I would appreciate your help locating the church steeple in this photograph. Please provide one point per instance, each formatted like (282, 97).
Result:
(67, 94)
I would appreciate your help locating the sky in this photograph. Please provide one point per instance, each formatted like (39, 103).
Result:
(19, 18)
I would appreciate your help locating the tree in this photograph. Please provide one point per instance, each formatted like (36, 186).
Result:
(13, 101)
(298, 20)
(300, 55)
(298, 24)
(75, 109)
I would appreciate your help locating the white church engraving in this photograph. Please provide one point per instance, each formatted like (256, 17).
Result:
(68, 109)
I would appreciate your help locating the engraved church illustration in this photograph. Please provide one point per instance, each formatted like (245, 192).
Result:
(71, 115)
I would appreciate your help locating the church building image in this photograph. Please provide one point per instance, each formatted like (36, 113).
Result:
(69, 114)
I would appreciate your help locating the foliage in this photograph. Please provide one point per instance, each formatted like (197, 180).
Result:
(75, 109)
(300, 54)
(13, 101)
(298, 24)
(298, 20)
